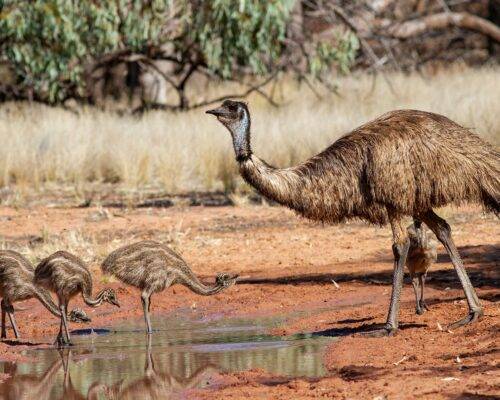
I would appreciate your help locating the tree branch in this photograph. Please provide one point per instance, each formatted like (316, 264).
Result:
(443, 20)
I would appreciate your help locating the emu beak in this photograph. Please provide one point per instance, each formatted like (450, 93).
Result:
(217, 111)
(115, 302)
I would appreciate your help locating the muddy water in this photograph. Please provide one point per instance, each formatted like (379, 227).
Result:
(185, 351)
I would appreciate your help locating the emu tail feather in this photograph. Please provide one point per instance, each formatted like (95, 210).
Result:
(490, 189)
(492, 203)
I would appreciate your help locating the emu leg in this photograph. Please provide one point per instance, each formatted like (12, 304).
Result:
(415, 281)
(400, 247)
(10, 314)
(65, 356)
(422, 303)
(61, 339)
(58, 342)
(149, 367)
(146, 299)
(400, 252)
(64, 310)
(443, 232)
(4, 315)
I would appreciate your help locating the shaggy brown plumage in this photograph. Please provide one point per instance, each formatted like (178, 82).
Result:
(152, 267)
(422, 254)
(17, 284)
(404, 163)
(67, 275)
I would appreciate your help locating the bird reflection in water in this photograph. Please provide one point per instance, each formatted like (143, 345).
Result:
(29, 386)
(154, 383)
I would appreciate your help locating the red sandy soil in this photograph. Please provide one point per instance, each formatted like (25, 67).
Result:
(287, 264)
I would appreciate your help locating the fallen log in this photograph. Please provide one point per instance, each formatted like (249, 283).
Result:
(407, 29)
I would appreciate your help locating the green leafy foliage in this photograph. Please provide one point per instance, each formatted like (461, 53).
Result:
(50, 42)
(53, 44)
(342, 54)
(246, 33)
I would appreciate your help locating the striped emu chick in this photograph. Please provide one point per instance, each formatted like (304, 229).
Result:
(421, 256)
(17, 284)
(67, 275)
(152, 267)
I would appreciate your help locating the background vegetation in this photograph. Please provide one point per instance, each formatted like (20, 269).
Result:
(294, 60)
(189, 151)
(54, 47)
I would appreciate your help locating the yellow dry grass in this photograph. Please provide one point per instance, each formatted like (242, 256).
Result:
(181, 152)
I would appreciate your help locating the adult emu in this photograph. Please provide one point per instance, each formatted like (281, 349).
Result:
(404, 163)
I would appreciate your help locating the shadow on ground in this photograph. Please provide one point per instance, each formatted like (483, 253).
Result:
(482, 263)
(362, 329)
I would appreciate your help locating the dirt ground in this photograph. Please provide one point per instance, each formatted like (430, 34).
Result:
(288, 264)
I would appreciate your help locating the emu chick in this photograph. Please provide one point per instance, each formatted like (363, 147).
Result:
(421, 256)
(152, 267)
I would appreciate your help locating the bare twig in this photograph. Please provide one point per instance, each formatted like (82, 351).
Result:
(251, 89)
(402, 360)
(337, 286)
(149, 63)
(376, 63)
(311, 87)
(445, 6)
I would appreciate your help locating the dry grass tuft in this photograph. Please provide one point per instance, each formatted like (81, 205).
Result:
(190, 151)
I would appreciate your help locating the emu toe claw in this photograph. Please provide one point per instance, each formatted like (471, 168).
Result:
(421, 307)
(382, 332)
(60, 342)
(473, 316)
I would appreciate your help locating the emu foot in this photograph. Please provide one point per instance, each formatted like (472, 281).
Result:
(421, 307)
(61, 342)
(473, 316)
(387, 330)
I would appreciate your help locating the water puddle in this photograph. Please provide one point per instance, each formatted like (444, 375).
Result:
(184, 352)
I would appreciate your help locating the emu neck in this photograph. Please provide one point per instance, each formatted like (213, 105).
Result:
(318, 189)
(44, 297)
(282, 185)
(198, 287)
(93, 302)
(241, 138)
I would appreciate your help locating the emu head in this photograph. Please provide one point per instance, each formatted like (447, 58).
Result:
(78, 315)
(109, 296)
(225, 280)
(234, 115)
